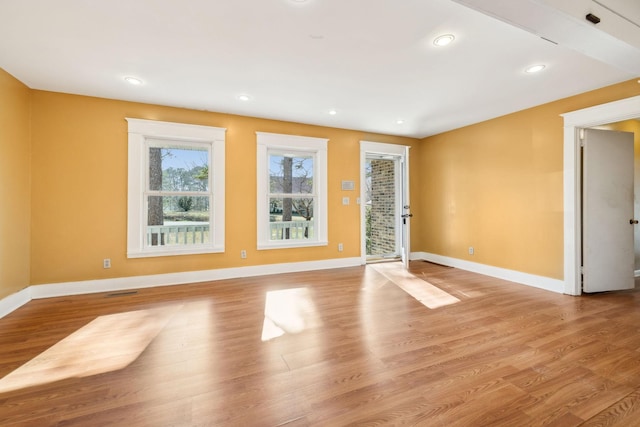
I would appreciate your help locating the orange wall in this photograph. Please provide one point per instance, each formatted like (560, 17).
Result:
(15, 193)
(80, 189)
(497, 186)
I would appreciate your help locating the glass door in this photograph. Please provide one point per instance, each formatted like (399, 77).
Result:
(383, 237)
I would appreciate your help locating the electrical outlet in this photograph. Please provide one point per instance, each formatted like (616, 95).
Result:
(470, 250)
(340, 247)
(106, 263)
(243, 254)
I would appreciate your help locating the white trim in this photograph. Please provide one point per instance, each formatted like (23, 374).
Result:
(306, 144)
(541, 282)
(139, 132)
(177, 131)
(175, 251)
(383, 148)
(611, 112)
(406, 201)
(399, 152)
(292, 142)
(140, 282)
(17, 300)
(14, 301)
(624, 109)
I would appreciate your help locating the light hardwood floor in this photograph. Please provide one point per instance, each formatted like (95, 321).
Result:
(328, 348)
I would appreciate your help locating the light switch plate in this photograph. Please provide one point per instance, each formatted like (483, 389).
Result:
(348, 185)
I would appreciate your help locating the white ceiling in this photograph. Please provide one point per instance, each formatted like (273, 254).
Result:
(373, 61)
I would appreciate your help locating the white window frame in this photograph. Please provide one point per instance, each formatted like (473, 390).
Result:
(317, 147)
(139, 131)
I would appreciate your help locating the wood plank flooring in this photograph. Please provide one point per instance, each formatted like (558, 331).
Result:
(440, 347)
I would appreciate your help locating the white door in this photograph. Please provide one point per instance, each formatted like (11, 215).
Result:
(406, 210)
(607, 211)
(398, 233)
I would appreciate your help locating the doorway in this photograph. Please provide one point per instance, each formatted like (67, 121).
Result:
(381, 206)
(612, 112)
(385, 210)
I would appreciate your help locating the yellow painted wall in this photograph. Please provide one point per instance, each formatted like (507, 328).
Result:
(497, 186)
(15, 193)
(80, 189)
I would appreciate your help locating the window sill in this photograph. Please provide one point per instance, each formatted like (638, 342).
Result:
(174, 252)
(291, 245)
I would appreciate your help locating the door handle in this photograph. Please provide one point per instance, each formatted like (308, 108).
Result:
(633, 221)
(410, 215)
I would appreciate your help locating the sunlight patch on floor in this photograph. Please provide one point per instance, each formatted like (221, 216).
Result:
(106, 344)
(429, 295)
(289, 311)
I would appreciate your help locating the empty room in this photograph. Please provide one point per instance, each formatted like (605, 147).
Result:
(319, 213)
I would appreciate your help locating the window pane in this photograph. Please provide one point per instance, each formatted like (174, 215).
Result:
(177, 220)
(291, 218)
(290, 174)
(178, 169)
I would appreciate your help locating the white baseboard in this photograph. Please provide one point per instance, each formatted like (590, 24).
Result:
(14, 301)
(547, 283)
(138, 282)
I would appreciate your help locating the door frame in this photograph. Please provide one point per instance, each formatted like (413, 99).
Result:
(379, 148)
(574, 121)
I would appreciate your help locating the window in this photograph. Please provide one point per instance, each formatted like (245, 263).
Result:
(176, 189)
(292, 191)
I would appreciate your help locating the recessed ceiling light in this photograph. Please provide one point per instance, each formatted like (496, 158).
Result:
(133, 80)
(534, 69)
(332, 112)
(399, 121)
(244, 97)
(444, 40)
